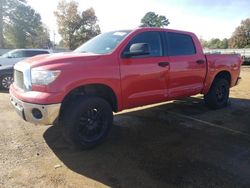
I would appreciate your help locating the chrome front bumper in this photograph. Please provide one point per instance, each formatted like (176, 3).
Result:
(49, 113)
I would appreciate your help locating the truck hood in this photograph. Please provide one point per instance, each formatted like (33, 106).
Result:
(60, 58)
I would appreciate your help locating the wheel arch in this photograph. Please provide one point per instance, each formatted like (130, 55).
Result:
(98, 90)
(224, 74)
(216, 97)
(221, 74)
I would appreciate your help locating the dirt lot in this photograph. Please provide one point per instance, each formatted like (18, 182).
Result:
(178, 144)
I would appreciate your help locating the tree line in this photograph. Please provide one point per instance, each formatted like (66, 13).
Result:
(77, 27)
(21, 27)
(239, 39)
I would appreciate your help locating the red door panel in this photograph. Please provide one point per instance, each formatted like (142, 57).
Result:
(143, 81)
(186, 76)
(144, 78)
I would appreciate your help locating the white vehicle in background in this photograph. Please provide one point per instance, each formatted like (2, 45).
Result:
(14, 56)
(9, 59)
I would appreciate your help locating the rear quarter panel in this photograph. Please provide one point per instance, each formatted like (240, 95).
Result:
(217, 63)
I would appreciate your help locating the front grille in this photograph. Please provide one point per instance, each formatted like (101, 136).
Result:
(18, 79)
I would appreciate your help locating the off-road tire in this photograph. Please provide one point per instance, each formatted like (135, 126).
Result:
(218, 95)
(87, 122)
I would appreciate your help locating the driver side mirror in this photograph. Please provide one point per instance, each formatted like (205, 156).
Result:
(137, 49)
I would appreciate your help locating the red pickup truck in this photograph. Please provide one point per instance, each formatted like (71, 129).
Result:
(116, 71)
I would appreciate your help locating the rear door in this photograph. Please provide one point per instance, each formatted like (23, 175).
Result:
(187, 65)
(144, 78)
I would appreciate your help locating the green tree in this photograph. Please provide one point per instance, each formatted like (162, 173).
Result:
(68, 20)
(224, 43)
(89, 28)
(215, 43)
(75, 27)
(151, 19)
(24, 28)
(241, 35)
(204, 43)
(6, 9)
(41, 39)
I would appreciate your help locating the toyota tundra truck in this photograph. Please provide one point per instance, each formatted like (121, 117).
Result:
(114, 71)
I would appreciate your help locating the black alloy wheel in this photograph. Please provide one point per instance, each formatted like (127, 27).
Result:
(87, 122)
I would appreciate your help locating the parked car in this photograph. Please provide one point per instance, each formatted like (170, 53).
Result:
(246, 60)
(116, 71)
(14, 56)
(8, 60)
(6, 76)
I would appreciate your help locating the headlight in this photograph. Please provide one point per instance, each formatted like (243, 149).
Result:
(43, 77)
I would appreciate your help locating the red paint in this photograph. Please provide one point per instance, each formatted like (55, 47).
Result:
(135, 81)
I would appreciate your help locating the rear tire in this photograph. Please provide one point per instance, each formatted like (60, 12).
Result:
(6, 81)
(218, 95)
(87, 122)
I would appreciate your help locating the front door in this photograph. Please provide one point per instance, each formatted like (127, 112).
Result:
(144, 77)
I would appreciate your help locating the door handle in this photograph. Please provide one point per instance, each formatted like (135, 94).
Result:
(163, 64)
(200, 61)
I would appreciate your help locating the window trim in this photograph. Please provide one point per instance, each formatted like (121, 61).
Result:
(165, 43)
(145, 56)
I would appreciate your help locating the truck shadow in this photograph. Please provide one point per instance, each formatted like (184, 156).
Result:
(152, 148)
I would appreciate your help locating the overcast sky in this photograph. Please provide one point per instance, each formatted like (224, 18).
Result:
(207, 18)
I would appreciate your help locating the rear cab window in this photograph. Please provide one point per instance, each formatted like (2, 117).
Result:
(179, 44)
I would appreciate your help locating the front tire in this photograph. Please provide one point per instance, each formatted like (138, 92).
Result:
(87, 122)
(6, 81)
(218, 95)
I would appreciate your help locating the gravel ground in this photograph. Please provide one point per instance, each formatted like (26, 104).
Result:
(176, 144)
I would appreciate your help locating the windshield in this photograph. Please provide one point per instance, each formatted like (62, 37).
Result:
(6, 55)
(103, 43)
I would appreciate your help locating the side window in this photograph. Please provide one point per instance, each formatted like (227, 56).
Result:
(33, 53)
(180, 44)
(17, 54)
(152, 38)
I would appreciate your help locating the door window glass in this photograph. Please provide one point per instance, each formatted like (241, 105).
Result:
(152, 38)
(180, 44)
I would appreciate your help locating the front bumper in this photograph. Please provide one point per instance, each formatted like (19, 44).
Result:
(29, 111)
